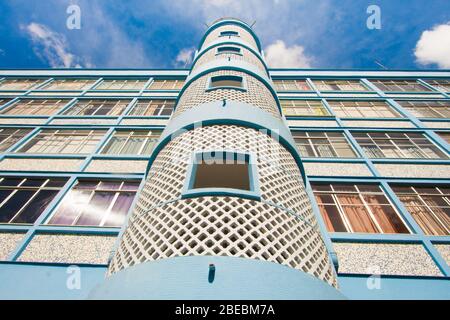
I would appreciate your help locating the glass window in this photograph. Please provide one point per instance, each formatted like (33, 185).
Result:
(400, 85)
(19, 84)
(10, 136)
(291, 85)
(136, 142)
(398, 145)
(166, 84)
(427, 109)
(429, 206)
(227, 81)
(64, 141)
(228, 50)
(445, 136)
(363, 109)
(339, 85)
(36, 107)
(98, 107)
(441, 84)
(22, 200)
(153, 107)
(303, 108)
(323, 144)
(229, 34)
(357, 209)
(121, 84)
(96, 203)
(70, 84)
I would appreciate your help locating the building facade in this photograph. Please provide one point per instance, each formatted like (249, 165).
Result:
(227, 180)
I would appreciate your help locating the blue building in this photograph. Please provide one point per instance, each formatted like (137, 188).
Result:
(225, 181)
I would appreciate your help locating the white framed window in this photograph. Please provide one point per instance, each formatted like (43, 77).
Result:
(427, 109)
(63, 141)
(363, 109)
(70, 84)
(153, 107)
(121, 84)
(340, 85)
(97, 107)
(20, 84)
(132, 142)
(166, 84)
(400, 85)
(37, 107)
(10, 136)
(323, 144)
(103, 203)
(294, 107)
(408, 145)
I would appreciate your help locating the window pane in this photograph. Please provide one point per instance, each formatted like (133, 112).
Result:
(34, 209)
(119, 210)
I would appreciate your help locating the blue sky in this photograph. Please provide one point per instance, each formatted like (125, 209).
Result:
(163, 33)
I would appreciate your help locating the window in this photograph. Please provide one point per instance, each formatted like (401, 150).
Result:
(19, 84)
(339, 85)
(222, 172)
(323, 144)
(441, 84)
(98, 108)
(229, 34)
(64, 141)
(400, 85)
(397, 145)
(10, 136)
(363, 109)
(70, 84)
(96, 203)
(132, 142)
(121, 84)
(303, 108)
(226, 82)
(162, 84)
(429, 206)
(37, 107)
(360, 208)
(153, 108)
(427, 109)
(291, 85)
(22, 200)
(445, 136)
(228, 50)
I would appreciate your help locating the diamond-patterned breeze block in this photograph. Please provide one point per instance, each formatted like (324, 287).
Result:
(257, 94)
(281, 228)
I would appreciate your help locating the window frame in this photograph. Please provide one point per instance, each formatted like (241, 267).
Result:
(229, 33)
(237, 52)
(394, 82)
(308, 106)
(152, 104)
(314, 146)
(351, 82)
(243, 87)
(371, 103)
(128, 134)
(343, 215)
(188, 190)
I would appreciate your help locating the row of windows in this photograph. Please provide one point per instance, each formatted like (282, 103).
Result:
(365, 208)
(164, 107)
(374, 144)
(85, 84)
(331, 144)
(92, 107)
(365, 108)
(357, 85)
(354, 208)
(176, 84)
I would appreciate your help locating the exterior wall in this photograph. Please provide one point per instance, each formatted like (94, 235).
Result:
(256, 94)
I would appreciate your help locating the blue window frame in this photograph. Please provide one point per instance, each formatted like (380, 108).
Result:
(228, 50)
(229, 33)
(222, 173)
(227, 82)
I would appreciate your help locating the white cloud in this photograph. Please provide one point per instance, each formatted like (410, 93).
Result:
(185, 57)
(51, 46)
(433, 46)
(278, 55)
